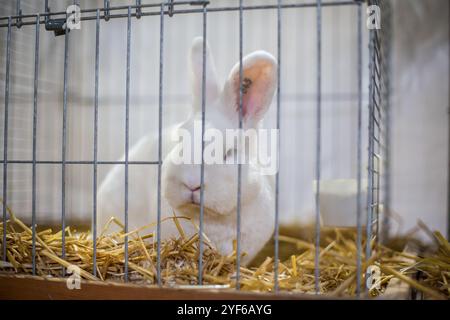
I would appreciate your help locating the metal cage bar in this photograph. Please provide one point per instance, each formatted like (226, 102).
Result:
(47, 11)
(318, 145)
(239, 171)
(359, 159)
(377, 148)
(19, 14)
(95, 164)
(138, 9)
(63, 150)
(35, 111)
(106, 4)
(386, 40)
(127, 137)
(374, 169)
(202, 165)
(5, 134)
(277, 176)
(161, 78)
(370, 154)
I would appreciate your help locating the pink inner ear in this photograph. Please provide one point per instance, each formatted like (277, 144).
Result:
(249, 104)
(251, 100)
(256, 90)
(253, 95)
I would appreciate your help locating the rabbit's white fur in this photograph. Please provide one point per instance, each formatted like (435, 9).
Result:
(220, 181)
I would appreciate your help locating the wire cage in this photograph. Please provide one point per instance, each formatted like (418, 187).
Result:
(373, 108)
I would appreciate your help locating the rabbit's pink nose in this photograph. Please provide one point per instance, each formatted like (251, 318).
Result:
(195, 189)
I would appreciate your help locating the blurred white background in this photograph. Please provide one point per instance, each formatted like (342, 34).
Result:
(420, 79)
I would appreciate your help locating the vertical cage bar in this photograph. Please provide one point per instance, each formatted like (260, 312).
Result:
(19, 13)
(377, 133)
(239, 172)
(277, 176)
(170, 4)
(63, 151)
(318, 145)
(377, 190)
(370, 151)
(202, 166)
(386, 71)
(35, 110)
(138, 9)
(46, 10)
(127, 115)
(94, 213)
(359, 157)
(5, 135)
(106, 5)
(161, 78)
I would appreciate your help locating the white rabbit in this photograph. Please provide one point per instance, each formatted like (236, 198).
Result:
(180, 185)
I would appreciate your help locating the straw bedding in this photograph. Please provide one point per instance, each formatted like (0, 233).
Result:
(179, 261)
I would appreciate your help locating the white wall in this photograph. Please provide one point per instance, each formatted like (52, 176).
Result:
(421, 112)
(419, 133)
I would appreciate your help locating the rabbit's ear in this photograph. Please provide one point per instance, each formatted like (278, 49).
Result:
(196, 61)
(258, 85)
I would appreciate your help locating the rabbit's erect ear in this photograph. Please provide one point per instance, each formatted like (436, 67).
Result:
(258, 85)
(196, 61)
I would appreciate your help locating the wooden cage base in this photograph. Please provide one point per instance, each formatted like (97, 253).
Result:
(18, 287)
